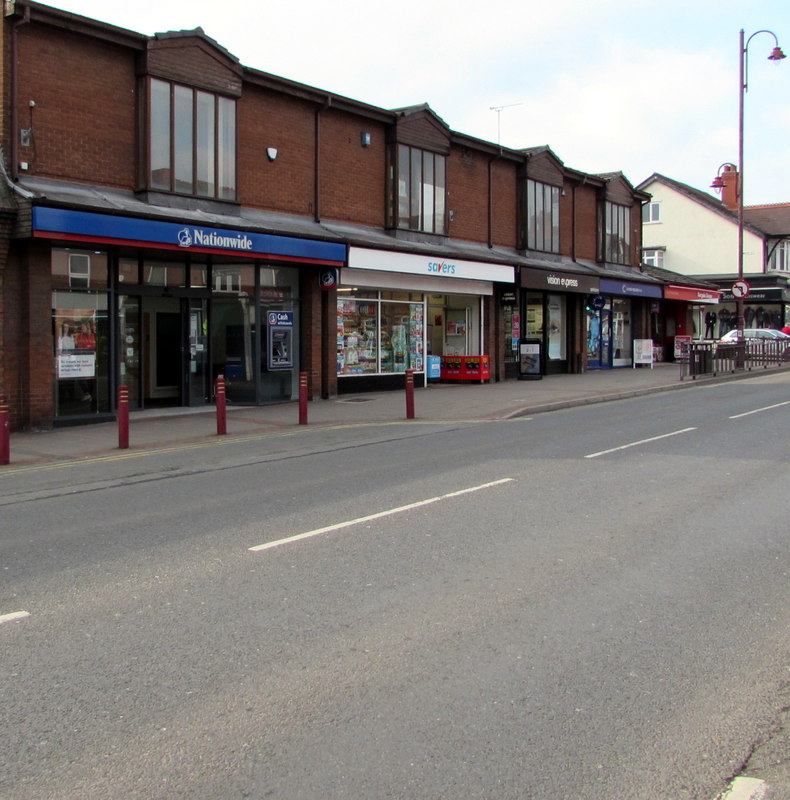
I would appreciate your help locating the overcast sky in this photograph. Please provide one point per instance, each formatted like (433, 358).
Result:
(608, 85)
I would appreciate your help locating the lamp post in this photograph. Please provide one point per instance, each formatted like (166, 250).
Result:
(743, 86)
(776, 55)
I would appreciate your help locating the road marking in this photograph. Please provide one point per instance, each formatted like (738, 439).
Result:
(379, 515)
(14, 615)
(746, 789)
(758, 410)
(641, 441)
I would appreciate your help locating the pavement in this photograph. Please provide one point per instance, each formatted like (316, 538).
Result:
(165, 427)
(766, 776)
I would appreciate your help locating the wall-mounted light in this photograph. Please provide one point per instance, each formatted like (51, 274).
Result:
(365, 138)
(271, 153)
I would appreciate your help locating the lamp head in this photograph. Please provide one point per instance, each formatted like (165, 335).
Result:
(776, 54)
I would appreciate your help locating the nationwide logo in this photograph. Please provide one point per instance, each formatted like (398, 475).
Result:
(188, 237)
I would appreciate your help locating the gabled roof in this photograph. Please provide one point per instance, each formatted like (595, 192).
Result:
(676, 279)
(543, 148)
(774, 219)
(701, 198)
(196, 33)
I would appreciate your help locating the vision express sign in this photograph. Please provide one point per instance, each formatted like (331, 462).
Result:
(559, 281)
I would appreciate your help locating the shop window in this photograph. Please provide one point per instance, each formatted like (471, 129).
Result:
(163, 273)
(78, 269)
(616, 230)
(192, 141)
(128, 271)
(543, 217)
(376, 335)
(420, 190)
(80, 349)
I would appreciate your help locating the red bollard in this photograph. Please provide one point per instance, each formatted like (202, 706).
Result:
(222, 409)
(409, 394)
(123, 417)
(5, 433)
(303, 398)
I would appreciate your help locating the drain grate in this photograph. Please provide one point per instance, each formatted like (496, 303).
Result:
(356, 400)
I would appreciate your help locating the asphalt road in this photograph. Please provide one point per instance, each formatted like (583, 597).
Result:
(590, 603)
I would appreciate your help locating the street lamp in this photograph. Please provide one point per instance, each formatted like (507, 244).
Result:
(743, 86)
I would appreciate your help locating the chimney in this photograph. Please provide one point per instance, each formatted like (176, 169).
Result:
(730, 189)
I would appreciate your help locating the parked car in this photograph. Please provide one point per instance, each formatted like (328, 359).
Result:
(755, 333)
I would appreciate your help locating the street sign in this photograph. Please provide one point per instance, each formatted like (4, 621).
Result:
(740, 289)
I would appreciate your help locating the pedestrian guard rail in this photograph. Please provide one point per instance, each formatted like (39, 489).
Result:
(714, 358)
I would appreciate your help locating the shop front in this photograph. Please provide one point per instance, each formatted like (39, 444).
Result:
(551, 303)
(165, 307)
(614, 319)
(765, 307)
(395, 310)
(687, 313)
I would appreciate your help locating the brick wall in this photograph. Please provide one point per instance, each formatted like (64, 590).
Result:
(84, 120)
(586, 223)
(353, 177)
(467, 194)
(267, 119)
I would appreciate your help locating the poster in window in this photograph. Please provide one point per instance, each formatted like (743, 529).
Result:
(75, 343)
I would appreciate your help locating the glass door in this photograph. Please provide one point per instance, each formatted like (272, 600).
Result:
(599, 337)
(129, 341)
(196, 372)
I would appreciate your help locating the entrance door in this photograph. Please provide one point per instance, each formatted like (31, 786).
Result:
(163, 350)
(196, 370)
(599, 337)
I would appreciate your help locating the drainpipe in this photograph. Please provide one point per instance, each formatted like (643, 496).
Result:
(15, 94)
(317, 160)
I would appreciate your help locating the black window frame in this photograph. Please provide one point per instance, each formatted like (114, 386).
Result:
(615, 230)
(542, 224)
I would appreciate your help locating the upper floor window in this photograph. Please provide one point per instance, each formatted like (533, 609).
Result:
(780, 258)
(653, 258)
(617, 233)
(651, 212)
(421, 189)
(543, 217)
(192, 141)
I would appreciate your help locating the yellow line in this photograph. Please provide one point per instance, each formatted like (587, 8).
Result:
(221, 441)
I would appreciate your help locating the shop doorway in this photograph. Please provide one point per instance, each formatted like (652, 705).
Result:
(164, 350)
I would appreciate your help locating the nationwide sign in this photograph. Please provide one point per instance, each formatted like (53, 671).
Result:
(85, 226)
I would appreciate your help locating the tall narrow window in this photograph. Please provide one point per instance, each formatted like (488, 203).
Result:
(421, 190)
(543, 217)
(617, 233)
(192, 142)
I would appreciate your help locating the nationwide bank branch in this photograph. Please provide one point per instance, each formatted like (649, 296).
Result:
(163, 308)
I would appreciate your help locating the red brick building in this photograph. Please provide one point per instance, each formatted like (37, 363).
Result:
(168, 215)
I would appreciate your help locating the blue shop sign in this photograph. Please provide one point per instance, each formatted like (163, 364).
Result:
(85, 226)
(630, 289)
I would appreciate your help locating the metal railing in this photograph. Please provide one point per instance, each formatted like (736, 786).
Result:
(714, 358)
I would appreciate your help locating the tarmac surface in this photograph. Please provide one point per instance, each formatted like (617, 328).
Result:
(164, 427)
(766, 776)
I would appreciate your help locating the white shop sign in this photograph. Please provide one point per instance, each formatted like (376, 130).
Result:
(431, 266)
